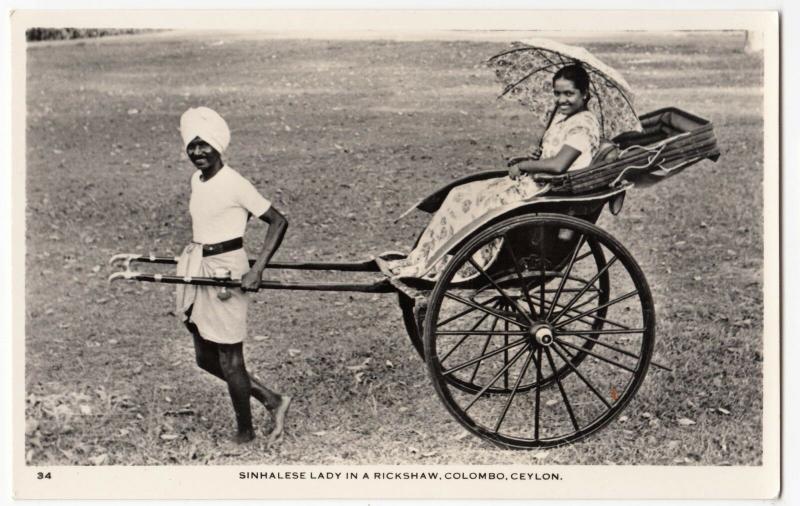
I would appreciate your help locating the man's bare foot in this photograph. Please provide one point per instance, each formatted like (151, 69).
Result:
(244, 436)
(279, 414)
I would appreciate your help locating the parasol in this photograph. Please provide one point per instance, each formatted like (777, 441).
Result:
(527, 71)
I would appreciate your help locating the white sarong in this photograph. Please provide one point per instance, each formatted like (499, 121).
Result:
(220, 321)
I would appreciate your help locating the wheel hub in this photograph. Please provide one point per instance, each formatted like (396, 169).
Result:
(541, 334)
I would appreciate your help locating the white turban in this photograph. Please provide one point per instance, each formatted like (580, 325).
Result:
(208, 125)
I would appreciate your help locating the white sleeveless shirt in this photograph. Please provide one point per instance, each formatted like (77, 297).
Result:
(219, 206)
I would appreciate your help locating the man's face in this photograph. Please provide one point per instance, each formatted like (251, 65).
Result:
(202, 155)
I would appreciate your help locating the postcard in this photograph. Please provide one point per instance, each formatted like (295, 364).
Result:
(395, 254)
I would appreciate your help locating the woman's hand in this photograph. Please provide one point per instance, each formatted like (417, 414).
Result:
(251, 281)
(536, 153)
(517, 159)
(514, 172)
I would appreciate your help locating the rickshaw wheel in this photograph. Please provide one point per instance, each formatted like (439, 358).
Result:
(412, 328)
(550, 369)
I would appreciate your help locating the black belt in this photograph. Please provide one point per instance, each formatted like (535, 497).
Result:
(222, 247)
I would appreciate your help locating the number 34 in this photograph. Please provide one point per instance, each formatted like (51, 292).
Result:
(43, 476)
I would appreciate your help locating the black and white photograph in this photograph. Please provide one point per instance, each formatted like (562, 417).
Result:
(397, 259)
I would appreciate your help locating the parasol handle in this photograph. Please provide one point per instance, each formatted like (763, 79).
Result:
(549, 122)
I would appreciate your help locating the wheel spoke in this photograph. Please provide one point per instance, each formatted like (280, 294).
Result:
(602, 319)
(610, 322)
(595, 355)
(598, 308)
(481, 308)
(484, 357)
(561, 389)
(500, 290)
(466, 335)
(518, 270)
(566, 275)
(581, 376)
(493, 299)
(582, 334)
(513, 392)
(590, 299)
(456, 317)
(602, 343)
(495, 378)
(586, 287)
(599, 318)
(566, 350)
(482, 332)
(505, 357)
(537, 408)
(570, 290)
(483, 350)
(598, 332)
(542, 277)
(574, 310)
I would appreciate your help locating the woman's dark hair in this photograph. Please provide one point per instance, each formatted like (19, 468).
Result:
(577, 74)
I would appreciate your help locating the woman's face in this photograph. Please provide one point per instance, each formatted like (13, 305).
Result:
(569, 99)
(202, 155)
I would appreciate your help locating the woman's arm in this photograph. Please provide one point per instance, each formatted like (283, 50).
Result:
(555, 165)
(275, 232)
(535, 155)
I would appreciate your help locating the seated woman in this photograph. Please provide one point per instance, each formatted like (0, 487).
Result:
(569, 143)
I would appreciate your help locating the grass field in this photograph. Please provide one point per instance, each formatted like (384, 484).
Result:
(343, 136)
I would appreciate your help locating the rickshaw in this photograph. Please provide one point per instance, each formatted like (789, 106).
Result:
(541, 328)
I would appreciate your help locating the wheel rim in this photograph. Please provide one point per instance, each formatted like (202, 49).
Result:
(540, 358)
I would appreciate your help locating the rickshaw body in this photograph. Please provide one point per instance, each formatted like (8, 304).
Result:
(551, 339)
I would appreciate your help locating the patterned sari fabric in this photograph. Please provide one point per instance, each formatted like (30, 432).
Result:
(466, 203)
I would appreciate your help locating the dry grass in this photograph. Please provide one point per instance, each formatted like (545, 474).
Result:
(344, 135)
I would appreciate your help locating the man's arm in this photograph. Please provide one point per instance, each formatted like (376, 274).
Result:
(275, 232)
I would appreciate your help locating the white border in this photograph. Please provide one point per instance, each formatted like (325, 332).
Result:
(769, 213)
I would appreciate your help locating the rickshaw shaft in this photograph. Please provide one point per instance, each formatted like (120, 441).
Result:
(365, 266)
(382, 286)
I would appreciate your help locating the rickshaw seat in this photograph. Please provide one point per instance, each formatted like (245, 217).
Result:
(670, 141)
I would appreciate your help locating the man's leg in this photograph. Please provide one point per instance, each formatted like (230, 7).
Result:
(207, 357)
(206, 353)
(231, 361)
(264, 395)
